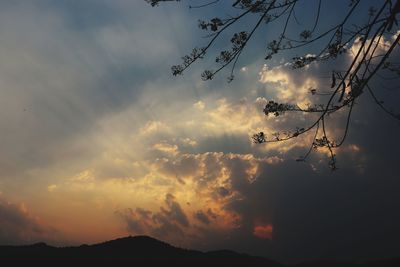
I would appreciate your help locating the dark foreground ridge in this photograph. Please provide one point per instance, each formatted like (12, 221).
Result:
(145, 251)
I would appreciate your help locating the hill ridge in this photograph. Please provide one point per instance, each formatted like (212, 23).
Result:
(148, 251)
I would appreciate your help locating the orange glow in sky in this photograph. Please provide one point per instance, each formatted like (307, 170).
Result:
(263, 231)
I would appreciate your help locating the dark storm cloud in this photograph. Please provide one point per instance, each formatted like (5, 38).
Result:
(319, 215)
(347, 214)
(316, 214)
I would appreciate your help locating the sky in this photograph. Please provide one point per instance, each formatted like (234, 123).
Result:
(98, 140)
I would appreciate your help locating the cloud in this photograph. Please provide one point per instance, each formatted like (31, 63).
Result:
(263, 231)
(286, 86)
(215, 169)
(381, 47)
(19, 226)
(166, 148)
(74, 71)
(152, 127)
(223, 192)
(52, 188)
(202, 217)
(199, 105)
(168, 222)
(210, 184)
(188, 142)
(92, 123)
(174, 211)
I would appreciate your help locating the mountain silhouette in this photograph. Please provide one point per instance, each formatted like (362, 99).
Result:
(145, 251)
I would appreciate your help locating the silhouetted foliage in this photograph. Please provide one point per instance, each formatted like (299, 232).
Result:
(380, 29)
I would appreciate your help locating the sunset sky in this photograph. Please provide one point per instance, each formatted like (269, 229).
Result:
(98, 140)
